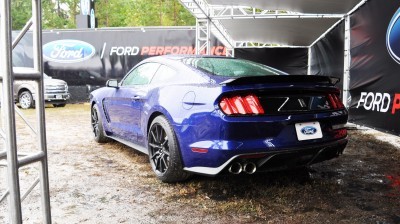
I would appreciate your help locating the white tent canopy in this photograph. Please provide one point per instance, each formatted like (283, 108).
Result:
(287, 23)
(300, 6)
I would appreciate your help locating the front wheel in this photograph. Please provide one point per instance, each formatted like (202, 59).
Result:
(25, 100)
(164, 152)
(97, 125)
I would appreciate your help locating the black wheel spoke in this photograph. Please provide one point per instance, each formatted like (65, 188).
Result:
(166, 152)
(95, 123)
(154, 145)
(154, 136)
(156, 139)
(164, 162)
(96, 127)
(165, 142)
(94, 118)
(161, 137)
(155, 155)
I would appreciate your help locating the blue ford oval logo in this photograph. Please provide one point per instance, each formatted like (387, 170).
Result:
(393, 37)
(68, 51)
(308, 130)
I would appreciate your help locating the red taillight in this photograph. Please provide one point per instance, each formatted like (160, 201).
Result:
(336, 103)
(341, 133)
(244, 105)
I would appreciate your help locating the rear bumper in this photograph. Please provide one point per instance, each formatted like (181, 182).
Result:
(280, 158)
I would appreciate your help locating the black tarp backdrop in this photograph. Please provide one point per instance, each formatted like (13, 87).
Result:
(291, 60)
(374, 74)
(118, 50)
(327, 55)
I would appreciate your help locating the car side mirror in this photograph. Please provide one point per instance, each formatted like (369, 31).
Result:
(112, 83)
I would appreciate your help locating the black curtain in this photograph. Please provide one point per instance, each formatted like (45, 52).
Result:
(291, 60)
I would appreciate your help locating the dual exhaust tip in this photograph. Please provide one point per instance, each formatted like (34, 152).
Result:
(237, 168)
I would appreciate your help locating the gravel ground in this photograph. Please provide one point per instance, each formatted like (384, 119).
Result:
(111, 183)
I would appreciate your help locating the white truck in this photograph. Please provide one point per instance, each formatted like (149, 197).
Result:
(56, 92)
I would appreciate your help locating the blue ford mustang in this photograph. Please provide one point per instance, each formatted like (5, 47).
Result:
(208, 115)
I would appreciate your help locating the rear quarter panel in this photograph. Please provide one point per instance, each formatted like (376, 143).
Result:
(180, 103)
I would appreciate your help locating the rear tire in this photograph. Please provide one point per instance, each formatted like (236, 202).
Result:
(25, 100)
(97, 125)
(164, 152)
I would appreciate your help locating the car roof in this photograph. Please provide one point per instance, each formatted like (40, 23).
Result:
(175, 57)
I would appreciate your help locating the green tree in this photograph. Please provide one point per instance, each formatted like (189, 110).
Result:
(21, 12)
(61, 14)
(73, 11)
(53, 17)
(122, 13)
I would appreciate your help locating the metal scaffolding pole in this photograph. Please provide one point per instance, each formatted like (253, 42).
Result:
(347, 61)
(40, 105)
(14, 197)
(205, 26)
(203, 32)
(14, 160)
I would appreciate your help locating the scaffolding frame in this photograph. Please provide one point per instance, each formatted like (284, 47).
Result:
(203, 43)
(213, 14)
(15, 160)
(205, 24)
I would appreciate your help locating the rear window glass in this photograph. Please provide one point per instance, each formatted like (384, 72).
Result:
(231, 67)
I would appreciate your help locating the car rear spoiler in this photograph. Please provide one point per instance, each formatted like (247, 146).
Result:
(327, 80)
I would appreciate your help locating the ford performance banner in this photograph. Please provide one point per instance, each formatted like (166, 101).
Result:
(92, 57)
(375, 66)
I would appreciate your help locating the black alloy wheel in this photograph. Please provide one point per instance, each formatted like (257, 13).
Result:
(97, 125)
(159, 148)
(164, 153)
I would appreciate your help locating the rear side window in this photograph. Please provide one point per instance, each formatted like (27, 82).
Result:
(231, 67)
(164, 75)
(140, 75)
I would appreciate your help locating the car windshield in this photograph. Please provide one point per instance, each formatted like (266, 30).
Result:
(231, 67)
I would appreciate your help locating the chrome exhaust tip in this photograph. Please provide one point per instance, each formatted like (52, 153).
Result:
(249, 168)
(235, 168)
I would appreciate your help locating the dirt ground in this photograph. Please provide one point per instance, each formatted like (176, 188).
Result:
(111, 183)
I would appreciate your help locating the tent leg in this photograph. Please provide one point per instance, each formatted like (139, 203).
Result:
(347, 62)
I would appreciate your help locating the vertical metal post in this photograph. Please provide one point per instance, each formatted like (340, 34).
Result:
(198, 43)
(203, 33)
(230, 52)
(7, 102)
(40, 113)
(309, 60)
(347, 61)
(8, 114)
